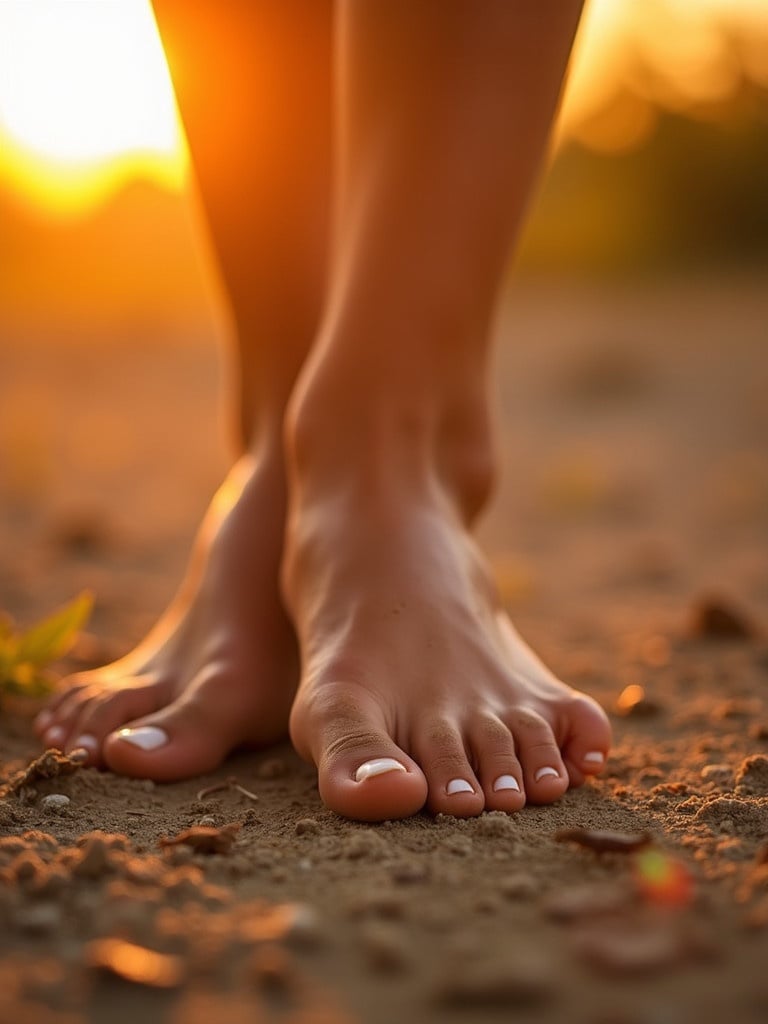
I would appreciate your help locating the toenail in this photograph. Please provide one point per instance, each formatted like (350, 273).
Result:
(594, 757)
(458, 786)
(86, 742)
(148, 737)
(506, 782)
(544, 773)
(43, 720)
(54, 736)
(378, 766)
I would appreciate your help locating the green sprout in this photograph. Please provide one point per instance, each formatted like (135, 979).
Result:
(24, 656)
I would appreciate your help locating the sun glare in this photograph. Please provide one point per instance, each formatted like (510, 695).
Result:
(85, 100)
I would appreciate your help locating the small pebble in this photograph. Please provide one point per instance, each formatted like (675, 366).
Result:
(752, 776)
(306, 827)
(208, 821)
(54, 803)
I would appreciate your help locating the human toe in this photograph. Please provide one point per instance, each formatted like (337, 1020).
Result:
(453, 786)
(101, 715)
(180, 741)
(499, 770)
(544, 773)
(362, 773)
(588, 741)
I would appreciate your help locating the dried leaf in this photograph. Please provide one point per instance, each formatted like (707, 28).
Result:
(49, 765)
(603, 841)
(205, 838)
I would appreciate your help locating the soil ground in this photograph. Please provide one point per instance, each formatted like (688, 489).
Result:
(634, 495)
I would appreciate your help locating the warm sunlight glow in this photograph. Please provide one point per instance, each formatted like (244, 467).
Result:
(634, 58)
(85, 100)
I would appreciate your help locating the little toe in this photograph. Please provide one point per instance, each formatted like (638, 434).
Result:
(544, 773)
(60, 709)
(499, 770)
(588, 741)
(180, 741)
(453, 786)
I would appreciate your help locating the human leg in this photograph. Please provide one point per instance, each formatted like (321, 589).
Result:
(253, 82)
(415, 686)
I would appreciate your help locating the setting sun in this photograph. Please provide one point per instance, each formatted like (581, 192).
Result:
(85, 100)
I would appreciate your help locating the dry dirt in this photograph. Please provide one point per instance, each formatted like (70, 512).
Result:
(635, 490)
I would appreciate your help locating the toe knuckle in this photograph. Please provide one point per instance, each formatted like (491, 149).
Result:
(351, 744)
(529, 725)
(447, 762)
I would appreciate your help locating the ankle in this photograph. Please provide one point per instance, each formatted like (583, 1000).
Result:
(382, 444)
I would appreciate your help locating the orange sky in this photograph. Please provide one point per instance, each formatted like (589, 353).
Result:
(86, 102)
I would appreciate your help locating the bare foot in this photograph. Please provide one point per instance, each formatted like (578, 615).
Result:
(220, 668)
(416, 689)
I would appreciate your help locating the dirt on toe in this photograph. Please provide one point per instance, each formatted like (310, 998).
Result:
(628, 541)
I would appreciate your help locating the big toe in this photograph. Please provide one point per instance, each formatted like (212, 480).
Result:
(178, 742)
(362, 773)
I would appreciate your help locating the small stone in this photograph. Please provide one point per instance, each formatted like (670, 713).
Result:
(306, 827)
(54, 803)
(207, 821)
(752, 776)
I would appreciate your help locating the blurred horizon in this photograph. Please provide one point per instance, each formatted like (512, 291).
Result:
(659, 160)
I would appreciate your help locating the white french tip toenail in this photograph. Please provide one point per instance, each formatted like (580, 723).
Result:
(43, 720)
(506, 782)
(86, 742)
(593, 757)
(54, 736)
(148, 737)
(379, 766)
(458, 786)
(545, 773)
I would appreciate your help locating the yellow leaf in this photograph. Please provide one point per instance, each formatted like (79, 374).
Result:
(50, 639)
